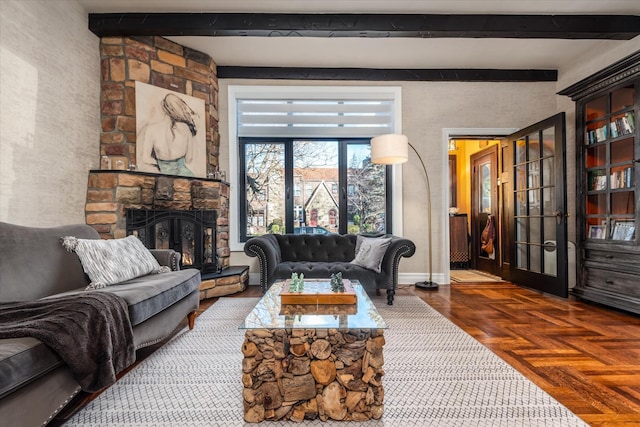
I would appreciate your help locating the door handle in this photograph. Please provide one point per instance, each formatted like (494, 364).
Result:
(558, 214)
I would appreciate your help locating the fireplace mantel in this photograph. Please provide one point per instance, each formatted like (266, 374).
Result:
(111, 192)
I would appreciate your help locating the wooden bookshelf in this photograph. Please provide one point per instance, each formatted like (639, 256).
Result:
(608, 205)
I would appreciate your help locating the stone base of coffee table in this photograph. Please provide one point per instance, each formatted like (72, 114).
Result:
(297, 374)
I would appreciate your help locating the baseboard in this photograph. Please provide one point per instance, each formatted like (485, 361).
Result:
(403, 278)
(254, 279)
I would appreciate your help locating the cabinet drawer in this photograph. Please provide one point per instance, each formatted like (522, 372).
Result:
(613, 281)
(609, 257)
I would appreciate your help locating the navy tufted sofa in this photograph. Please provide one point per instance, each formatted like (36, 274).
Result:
(321, 255)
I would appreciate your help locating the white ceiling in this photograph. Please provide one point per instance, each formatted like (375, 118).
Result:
(385, 52)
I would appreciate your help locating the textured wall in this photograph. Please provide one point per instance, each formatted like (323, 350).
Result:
(49, 111)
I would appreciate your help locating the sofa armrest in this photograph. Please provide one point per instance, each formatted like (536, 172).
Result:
(399, 247)
(267, 249)
(167, 257)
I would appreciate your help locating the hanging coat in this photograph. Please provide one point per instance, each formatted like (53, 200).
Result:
(488, 235)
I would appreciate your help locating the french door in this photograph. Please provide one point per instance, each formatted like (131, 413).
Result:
(534, 205)
(484, 205)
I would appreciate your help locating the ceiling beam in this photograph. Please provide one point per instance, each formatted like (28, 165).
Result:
(375, 74)
(613, 27)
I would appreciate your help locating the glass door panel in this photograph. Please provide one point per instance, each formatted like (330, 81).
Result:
(622, 151)
(316, 185)
(161, 231)
(596, 156)
(365, 196)
(485, 188)
(596, 204)
(596, 108)
(539, 202)
(622, 98)
(187, 243)
(623, 203)
(265, 189)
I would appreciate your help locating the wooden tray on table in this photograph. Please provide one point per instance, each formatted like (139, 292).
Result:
(318, 292)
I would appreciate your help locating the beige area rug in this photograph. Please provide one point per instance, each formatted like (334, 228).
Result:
(473, 276)
(435, 375)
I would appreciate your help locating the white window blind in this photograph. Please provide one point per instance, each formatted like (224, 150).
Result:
(314, 118)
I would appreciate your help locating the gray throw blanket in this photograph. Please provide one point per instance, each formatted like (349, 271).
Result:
(91, 333)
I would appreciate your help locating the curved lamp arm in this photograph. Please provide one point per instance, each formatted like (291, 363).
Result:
(429, 283)
(391, 149)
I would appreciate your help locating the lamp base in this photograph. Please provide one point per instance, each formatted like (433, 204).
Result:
(428, 285)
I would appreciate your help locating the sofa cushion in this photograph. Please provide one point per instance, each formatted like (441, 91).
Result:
(370, 252)
(108, 262)
(23, 360)
(34, 264)
(148, 295)
(316, 248)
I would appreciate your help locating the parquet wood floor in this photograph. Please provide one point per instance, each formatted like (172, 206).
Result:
(586, 356)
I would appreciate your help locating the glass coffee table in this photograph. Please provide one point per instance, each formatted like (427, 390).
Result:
(313, 361)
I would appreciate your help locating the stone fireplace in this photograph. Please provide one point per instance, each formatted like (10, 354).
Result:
(117, 186)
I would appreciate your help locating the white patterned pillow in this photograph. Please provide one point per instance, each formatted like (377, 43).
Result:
(108, 262)
(370, 252)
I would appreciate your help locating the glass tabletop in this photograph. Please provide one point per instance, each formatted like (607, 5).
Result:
(270, 314)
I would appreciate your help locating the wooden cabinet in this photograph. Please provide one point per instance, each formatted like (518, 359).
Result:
(608, 185)
(458, 241)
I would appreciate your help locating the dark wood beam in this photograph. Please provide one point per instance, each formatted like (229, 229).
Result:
(375, 74)
(614, 27)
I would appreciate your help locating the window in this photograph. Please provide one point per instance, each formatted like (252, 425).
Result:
(271, 168)
(274, 114)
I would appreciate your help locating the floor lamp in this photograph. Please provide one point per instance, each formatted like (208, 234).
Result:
(391, 149)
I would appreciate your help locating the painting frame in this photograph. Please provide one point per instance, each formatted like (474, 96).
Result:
(171, 134)
(623, 230)
(597, 231)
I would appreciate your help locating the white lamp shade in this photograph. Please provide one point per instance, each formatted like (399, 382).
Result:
(389, 149)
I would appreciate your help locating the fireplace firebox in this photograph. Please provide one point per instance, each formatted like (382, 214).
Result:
(191, 232)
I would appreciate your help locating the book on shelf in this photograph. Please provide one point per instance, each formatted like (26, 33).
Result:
(597, 180)
(601, 134)
(621, 178)
(631, 119)
(614, 129)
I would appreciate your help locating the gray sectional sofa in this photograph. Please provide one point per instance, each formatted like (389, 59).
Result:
(321, 255)
(35, 384)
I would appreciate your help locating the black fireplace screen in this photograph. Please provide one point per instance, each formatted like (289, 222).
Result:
(192, 233)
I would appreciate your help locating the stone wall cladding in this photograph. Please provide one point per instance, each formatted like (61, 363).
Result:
(110, 194)
(159, 62)
(163, 63)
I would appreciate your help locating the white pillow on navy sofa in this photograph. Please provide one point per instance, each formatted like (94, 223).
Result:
(370, 252)
(108, 262)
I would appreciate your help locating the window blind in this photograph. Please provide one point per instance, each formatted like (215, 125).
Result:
(314, 118)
